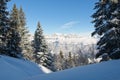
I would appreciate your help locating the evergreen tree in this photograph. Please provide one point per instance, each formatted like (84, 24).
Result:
(40, 46)
(47, 61)
(107, 25)
(70, 61)
(13, 43)
(4, 26)
(59, 62)
(61, 54)
(25, 43)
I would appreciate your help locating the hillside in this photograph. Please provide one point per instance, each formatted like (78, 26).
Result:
(16, 69)
(101, 71)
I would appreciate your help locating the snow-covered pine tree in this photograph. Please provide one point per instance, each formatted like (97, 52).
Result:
(70, 61)
(59, 61)
(113, 34)
(107, 26)
(4, 25)
(25, 43)
(13, 43)
(48, 59)
(40, 47)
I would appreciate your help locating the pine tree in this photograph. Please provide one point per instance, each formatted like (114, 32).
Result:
(61, 54)
(47, 61)
(59, 62)
(40, 46)
(114, 31)
(25, 43)
(70, 61)
(4, 26)
(107, 25)
(13, 43)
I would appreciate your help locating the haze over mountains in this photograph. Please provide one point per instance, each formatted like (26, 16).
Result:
(68, 42)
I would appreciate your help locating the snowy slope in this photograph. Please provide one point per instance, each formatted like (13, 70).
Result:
(102, 71)
(44, 69)
(16, 69)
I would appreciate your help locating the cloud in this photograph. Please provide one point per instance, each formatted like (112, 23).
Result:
(69, 24)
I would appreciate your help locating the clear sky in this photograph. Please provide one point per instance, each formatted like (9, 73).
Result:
(58, 16)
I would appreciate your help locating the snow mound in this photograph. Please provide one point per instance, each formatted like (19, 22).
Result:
(102, 71)
(44, 69)
(16, 69)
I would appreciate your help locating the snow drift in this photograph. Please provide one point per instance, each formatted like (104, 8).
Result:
(16, 69)
(102, 71)
(44, 69)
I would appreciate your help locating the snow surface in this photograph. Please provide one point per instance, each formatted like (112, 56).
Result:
(101, 71)
(44, 69)
(16, 69)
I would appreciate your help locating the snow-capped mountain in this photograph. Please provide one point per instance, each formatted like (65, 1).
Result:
(68, 42)
(70, 38)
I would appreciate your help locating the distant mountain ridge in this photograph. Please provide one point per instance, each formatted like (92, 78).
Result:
(68, 42)
(70, 38)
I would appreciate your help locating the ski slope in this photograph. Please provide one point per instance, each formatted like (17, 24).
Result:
(101, 71)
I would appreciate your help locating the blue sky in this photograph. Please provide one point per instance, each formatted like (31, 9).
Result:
(58, 16)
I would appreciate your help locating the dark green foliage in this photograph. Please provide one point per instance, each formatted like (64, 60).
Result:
(61, 54)
(47, 61)
(19, 44)
(107, 25)
(59, 61)
(4, 26)
(39, 41)
(14, 36)
(40, 47)
(70, 61)
(22, 18)
(25, 43)
(42, 55)
(13, 44)
(63, 61)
